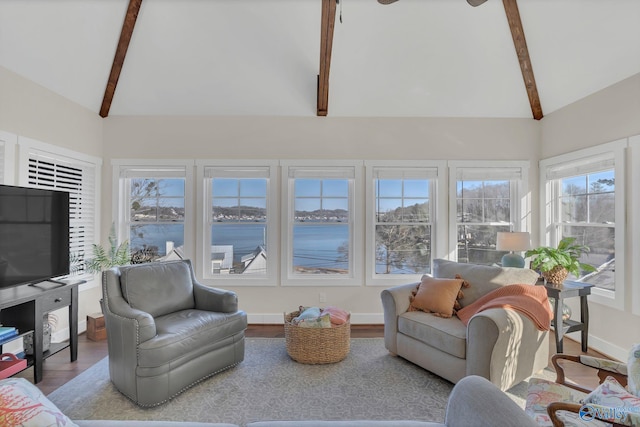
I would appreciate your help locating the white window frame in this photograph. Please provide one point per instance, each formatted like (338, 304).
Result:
(634, 220)
(489, 170)
(157, 168)
(438, 213)
(354, 278)
(204, 231)
(614, 151)
(8, 142)
(90, 210)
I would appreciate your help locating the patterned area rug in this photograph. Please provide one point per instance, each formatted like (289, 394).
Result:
(268, 385)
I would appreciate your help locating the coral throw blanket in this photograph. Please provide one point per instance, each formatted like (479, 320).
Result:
(530, 300)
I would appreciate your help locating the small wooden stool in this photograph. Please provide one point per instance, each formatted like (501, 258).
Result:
(96, 329)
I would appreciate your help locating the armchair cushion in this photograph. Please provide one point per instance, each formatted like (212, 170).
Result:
(181, 332)
(158, 288)
(610, 393)
(447, 334)
(541, 393)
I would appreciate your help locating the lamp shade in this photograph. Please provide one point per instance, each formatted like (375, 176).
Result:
(513, 241)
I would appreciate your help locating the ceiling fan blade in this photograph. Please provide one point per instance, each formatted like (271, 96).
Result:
(475, 3)
(387, 1)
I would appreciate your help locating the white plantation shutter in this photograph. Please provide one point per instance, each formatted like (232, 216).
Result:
(79, 180)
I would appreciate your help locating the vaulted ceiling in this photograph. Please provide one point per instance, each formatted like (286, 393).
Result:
(416, 58)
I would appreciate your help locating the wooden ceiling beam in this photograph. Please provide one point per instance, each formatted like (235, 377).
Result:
(520, 43)
(326, 42)
(121, 52)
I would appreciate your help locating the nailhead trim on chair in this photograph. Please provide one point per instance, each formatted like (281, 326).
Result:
(186, 388)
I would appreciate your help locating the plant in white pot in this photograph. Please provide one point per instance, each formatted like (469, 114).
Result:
(555, 264)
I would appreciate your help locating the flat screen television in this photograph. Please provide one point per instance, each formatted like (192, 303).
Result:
(34, 235)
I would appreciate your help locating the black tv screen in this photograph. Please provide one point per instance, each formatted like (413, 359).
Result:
(34, 235)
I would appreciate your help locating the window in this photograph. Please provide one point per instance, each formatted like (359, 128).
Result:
(152, 210)
(320, 241)
(582, 192)
(239, 242)
(54, 168)
(633, 206)
(485, 199)
(401, 215)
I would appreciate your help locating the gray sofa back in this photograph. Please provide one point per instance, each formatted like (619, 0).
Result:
(158, 288)
(482, 278)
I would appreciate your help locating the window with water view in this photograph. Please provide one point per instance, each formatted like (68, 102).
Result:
(321, 226)
(156, 221)
(238, 224)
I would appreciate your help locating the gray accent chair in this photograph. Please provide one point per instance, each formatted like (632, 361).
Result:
(501, 345)
(166, 331)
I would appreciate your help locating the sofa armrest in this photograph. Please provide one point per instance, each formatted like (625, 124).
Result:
(506, 346)
(214, 299)
(475, 398)
(395, 301)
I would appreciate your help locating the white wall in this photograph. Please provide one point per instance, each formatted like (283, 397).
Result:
(608, 115)
(30, 110)
(315, 138)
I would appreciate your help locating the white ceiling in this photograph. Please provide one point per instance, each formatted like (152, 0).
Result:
(436, 58)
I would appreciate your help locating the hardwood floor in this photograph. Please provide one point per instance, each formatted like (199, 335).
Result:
(58, 370)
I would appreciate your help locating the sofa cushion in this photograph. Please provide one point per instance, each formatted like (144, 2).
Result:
(436, 296)
(158, 288)
(184, 331)
(446, 334)
(23, 404)
(482, 278)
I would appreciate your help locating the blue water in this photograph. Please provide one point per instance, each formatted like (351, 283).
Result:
(314, 247)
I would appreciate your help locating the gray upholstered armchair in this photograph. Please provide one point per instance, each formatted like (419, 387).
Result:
(166, 331)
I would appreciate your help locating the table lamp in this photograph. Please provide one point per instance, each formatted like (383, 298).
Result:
(513, 241)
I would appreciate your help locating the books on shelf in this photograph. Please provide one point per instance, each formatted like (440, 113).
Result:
(7, 332)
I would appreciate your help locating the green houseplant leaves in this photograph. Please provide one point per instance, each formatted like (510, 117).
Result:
(107, 258)
(566, 255)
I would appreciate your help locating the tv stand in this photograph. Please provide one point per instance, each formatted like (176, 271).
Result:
(24, 307)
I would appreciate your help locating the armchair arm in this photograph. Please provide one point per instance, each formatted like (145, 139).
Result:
(506, 346)
(475, 398)
(214, 299)
(119, 308)
(604, 368)
(395, 301)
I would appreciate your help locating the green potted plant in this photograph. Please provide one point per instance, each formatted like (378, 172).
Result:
(111, 257)
(555, 264)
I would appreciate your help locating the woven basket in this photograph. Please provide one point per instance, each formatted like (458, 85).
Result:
(316, 345)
